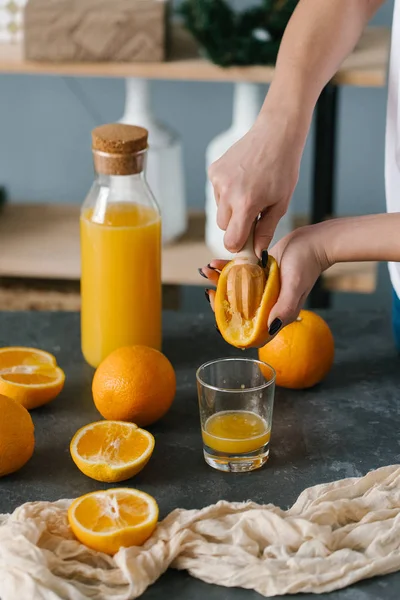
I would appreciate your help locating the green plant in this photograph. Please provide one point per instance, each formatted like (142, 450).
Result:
(247, 37)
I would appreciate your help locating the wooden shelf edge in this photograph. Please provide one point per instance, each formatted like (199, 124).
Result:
(365, 67)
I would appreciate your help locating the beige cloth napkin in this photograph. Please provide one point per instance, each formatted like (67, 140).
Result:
(334, 535)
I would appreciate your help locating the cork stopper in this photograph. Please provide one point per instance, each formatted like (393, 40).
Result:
(119, 149)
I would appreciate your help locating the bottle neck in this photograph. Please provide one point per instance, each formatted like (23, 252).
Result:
(119, 181)
(246, 104)
(118, 189)
(137, 102)
(119, 164)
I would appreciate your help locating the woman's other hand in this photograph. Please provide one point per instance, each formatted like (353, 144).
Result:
(302, 257)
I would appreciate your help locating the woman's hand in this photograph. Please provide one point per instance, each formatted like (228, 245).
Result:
(302, 257)
(257, 175)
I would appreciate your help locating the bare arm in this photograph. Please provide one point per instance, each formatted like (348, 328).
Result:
(317, 39)
(259, 173)
(371, 237)
(305, 253)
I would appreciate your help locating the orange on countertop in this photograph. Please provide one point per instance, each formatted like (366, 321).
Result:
(111, 451)
(135, 384)
(29, 376)
(301, 353)
(17, 436)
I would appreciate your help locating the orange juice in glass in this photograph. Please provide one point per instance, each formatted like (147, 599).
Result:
(236, 432)
(120, 248)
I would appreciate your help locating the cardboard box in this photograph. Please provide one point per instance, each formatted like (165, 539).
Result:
(96, 30)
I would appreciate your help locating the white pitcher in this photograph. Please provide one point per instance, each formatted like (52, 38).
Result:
(164, 171)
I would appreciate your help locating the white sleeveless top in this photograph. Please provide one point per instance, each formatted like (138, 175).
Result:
(392, 153)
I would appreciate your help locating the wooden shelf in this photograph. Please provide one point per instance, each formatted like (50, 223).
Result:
(366, 66)
(42, 241)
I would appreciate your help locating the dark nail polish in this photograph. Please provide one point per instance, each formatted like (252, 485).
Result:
(212, 268)
(202, 274)
(275, 326)
(207, 295)
(264, 258)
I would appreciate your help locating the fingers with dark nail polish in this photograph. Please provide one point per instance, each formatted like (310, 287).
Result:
(275, 326)
(264, 258)
(202, 273)
(212, 268)
(207, 295)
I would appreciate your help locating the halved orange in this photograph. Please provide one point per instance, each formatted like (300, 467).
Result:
(109, 520)
(234, 328)
(111, 451)
(30, 376)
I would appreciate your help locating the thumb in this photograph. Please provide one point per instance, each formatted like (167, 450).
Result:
(238, 229)
(265, 228)
(290, 301)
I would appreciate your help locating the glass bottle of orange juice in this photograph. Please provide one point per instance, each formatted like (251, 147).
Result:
(120, 248)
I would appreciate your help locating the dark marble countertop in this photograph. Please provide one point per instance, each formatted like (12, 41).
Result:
(343, 428)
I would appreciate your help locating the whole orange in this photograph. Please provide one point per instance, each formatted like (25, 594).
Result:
(134, 384)
(302, 353)
(17, 436)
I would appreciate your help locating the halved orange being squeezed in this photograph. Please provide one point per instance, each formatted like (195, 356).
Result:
(239, 326)
(29, 376)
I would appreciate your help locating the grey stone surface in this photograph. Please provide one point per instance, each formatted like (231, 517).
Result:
(343, 428)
